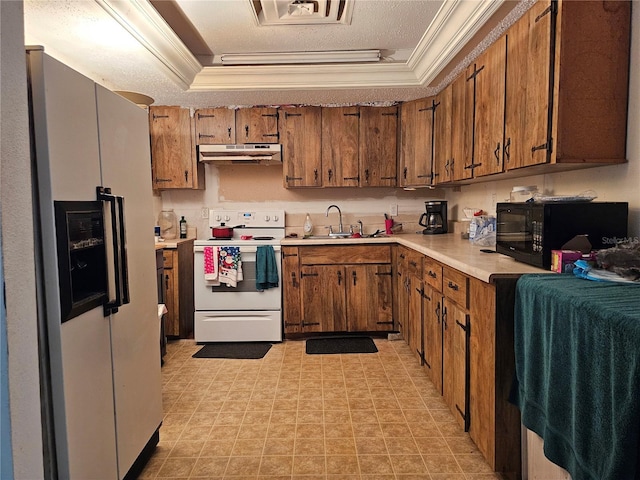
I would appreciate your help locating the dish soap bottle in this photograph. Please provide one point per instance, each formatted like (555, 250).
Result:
(183, 227)
(308, 226)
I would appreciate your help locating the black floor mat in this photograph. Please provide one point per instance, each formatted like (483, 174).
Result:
(335, 345)
(240, 350)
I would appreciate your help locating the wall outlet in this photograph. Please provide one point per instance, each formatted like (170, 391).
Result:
(204, 213)
(393, 209)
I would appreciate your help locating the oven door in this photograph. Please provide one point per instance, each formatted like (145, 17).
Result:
(243, 297)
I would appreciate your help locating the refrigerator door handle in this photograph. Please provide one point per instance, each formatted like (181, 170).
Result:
(116, 206)
(124, 266)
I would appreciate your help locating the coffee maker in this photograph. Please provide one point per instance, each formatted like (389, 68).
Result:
(435, 218)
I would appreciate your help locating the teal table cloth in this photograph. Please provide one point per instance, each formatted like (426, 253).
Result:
(577, 349)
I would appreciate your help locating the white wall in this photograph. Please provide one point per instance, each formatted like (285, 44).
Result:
(17, 247)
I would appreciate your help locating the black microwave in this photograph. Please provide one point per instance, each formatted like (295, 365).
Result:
(529, 231)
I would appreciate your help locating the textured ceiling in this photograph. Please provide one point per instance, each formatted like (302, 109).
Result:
(89, 36)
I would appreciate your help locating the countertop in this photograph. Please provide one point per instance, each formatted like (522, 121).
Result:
(449, 249)
(172, 243)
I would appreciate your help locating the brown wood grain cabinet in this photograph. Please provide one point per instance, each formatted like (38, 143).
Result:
(173, 159)
(257, 125)
(416, 143)
(432, 320)
(489, 77)
(340, 141)
(215, 126)
(442, 136)
(549, 95)
(576, 86)
(337, 289)
(378, 142)
(414, 321)
(466, 329)
(178, 276)
(300, 134)
(455, 327)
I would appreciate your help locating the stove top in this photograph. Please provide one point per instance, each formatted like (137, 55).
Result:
(259, 227)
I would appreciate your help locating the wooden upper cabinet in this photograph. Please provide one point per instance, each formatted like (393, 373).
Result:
(340, 140)
(257, 125)
(442, 136)
(406, 162)
(300, 133)
(520, 123)
(173, 159)
(378, 146)
(489, 75)
(416, 143)
(215, 126)
(461, 129)
(567, 85)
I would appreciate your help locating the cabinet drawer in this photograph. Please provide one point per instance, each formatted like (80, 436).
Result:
(432, 273)
(322, 255)
(455, 285)
(414, 263)
(168, 256)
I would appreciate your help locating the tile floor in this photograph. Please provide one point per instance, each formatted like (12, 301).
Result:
(305, 417)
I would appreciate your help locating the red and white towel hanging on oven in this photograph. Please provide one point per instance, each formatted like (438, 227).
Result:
(222, 265)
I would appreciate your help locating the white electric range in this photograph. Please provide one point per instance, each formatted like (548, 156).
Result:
(241, 313)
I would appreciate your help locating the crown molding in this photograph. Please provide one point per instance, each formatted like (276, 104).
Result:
(142, 21)
(300, 77)
(454, 25)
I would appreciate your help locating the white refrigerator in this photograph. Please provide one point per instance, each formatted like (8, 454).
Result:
(101, 378)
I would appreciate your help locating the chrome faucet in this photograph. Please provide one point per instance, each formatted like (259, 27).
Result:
(339, 213)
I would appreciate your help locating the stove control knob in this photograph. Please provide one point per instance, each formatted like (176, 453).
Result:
(275, 218)
(217, 219)
(267, 218)
(227, 218)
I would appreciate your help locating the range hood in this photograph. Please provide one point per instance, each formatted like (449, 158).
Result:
(248, 153)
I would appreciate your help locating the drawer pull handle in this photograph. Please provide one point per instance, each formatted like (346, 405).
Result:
(453, 286)
(432, 274)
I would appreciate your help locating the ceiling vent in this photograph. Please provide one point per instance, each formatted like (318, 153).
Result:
(302, 12)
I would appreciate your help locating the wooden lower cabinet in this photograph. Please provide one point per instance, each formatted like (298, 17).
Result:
(467, 351)
(337, 289)
(432, 333)
(178, 280)
(455, 362)
(494, 422)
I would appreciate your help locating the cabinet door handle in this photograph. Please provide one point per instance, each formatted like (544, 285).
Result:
(404, 173)
(293, 280)
(315, 175)
(444, 317)
(246, 131)
(229, 132)
(166, 282)
(438, 313)
(330, 174)
(353, 274)
(507, 149)
(339, 278)
(366, 175)
(496, 152)
(186, 176)
(453, 286)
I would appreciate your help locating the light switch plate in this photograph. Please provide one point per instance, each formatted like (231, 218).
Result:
(204, 213)
(393, 209)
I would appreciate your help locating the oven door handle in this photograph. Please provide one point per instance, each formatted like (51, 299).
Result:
(243, 249)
